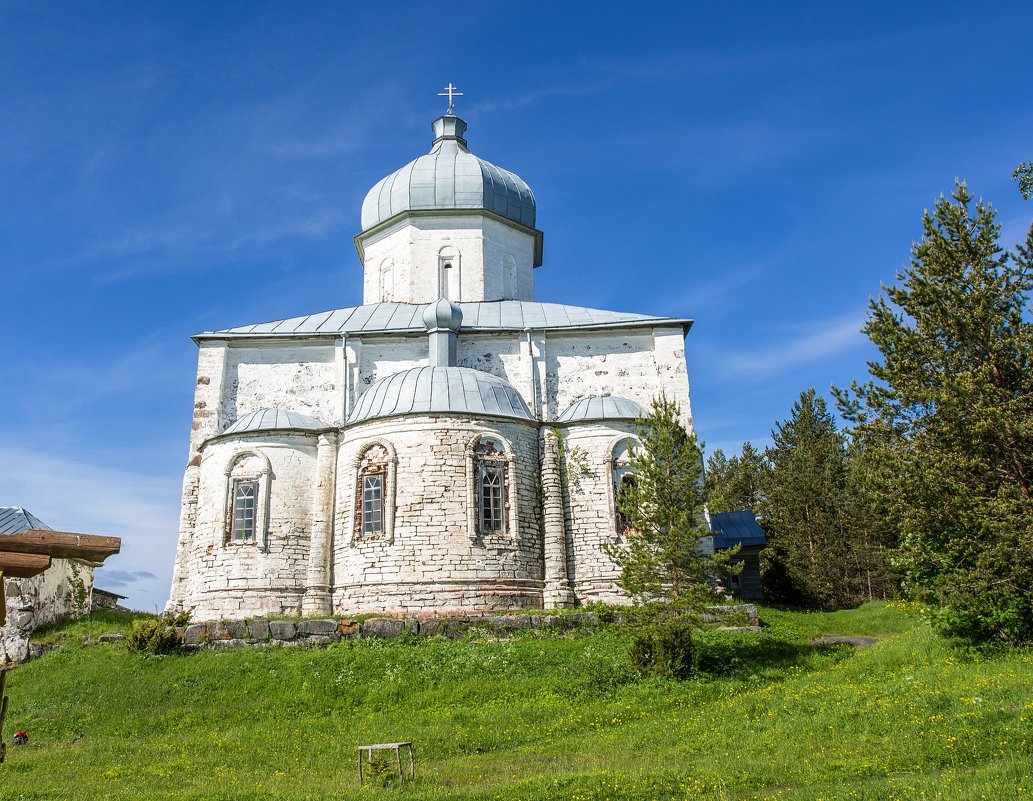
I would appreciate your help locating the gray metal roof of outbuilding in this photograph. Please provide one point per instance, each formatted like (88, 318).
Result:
(273, 420)
(495, 315)
(602, 408)
(737, 528)
(449, 177)
(14, 519)
(440, 390)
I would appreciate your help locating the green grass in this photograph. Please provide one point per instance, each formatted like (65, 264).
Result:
(534, 717)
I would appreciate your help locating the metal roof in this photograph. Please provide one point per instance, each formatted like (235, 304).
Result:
(273, 420)
(495, 315)
(440, 390)
(737, 528)
(602, 408)
(14, 519)
(449, 177)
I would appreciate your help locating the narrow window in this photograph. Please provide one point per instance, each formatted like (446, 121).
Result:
(373, 504)
(371, 494)
(627, 482)
(245, 497)
(623, 482)
(491, 464)
(492, 487)
(446, 280)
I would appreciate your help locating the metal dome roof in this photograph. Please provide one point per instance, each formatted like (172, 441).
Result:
(440, 390)
(273, 420)
(449, 177)
(606, 408)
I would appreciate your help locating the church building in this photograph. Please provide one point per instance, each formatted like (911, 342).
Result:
(451, 445)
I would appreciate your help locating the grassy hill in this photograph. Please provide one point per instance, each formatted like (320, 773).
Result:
(532, 717)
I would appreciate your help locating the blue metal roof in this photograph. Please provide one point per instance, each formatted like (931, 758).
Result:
(449, 177)
(440, 390)
(495, 315)
(14, 519)
(737, 528)
(273, 420)
(602, 408)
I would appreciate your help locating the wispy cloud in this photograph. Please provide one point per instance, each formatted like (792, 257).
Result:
(96, 498)
(720, 289)
(806, 344)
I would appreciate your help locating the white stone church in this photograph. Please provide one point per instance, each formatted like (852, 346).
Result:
(407, 455)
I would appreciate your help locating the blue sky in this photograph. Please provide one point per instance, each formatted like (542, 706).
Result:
(168, 168)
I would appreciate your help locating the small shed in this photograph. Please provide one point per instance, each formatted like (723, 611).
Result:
(105, 599)
(48, 576)
(730, 529)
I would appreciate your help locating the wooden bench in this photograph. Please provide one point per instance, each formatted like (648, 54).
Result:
(397, 748)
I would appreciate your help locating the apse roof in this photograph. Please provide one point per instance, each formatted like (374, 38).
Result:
(449, 177)
(602, 408)
(496, 315)
(440, 390)
(273, 420)
(14, 519)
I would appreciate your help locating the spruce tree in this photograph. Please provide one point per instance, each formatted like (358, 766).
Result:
(735, 484)
(951, 401)
(662, 558)
(808, 548)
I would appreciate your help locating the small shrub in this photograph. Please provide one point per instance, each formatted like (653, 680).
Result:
(153, 636)
(665, 649)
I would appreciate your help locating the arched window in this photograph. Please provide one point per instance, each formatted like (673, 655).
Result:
(248, 475)
(371, 492)
(509, 279)
(387, 280)
(491, 486)
(623, 479)
(245, 499)
(449, 275)
(492, 495)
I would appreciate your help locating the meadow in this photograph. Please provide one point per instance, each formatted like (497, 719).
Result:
(914, 716)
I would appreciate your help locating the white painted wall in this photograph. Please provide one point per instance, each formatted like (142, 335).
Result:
(403, 262)
(61, 592)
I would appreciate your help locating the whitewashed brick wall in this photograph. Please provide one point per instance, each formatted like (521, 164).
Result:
(429, 561)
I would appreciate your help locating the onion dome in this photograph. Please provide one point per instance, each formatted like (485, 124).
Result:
(442, 314)
(273, 420)
(449, 177)
(440, 390)
(602, 408)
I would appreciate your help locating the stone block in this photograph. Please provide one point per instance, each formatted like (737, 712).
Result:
(258, 630)
(111, 637)
(456, 627)
(321, 628)
(509, 622)
(382, 627)
(37, 649)
(227, 630)
(348, 628)
(282, 630)
(430, 627)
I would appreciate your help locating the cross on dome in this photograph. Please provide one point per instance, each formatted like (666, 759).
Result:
(450, 92)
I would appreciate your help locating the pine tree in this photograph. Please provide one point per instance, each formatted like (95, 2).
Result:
(735, 484)
(804, 514)
(662, 558)
(952, 401)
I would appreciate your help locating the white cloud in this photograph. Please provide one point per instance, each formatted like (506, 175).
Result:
(91, 498)
(816, 341)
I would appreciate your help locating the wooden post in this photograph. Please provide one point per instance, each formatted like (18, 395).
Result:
(3, 673)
